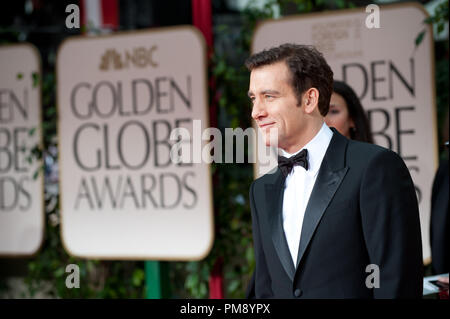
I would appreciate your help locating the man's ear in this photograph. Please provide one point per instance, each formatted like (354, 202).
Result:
(310, 100)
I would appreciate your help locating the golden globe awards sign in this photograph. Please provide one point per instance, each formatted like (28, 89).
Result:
(119, 99)
(21, 187)
(393, 78)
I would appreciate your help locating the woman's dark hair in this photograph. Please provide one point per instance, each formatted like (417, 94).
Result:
(307, 66)
(361, 131)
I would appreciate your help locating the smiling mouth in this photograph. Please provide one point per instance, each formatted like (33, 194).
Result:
(265, 125)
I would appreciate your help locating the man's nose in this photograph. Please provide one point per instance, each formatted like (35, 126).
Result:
(258, 110)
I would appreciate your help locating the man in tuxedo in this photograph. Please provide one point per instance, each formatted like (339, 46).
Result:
(337, 218)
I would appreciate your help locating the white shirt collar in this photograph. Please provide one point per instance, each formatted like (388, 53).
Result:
(317, 148)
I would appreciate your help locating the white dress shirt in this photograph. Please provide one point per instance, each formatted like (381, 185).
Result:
(298, 187)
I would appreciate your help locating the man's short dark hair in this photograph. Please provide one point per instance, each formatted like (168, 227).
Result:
(307, 66)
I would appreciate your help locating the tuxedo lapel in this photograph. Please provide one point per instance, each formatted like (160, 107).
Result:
(274, 204)
(330, 176)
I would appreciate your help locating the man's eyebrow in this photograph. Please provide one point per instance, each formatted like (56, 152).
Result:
(270, 92)
(250, 93)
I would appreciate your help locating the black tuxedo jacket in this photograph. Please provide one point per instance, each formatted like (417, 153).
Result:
(363, 210)
(440, 221)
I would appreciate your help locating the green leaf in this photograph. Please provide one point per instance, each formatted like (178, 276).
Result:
(19, 76)
(35, 78)
(220, 68)
(32, 266)
(59, 272)
(420, 37)
(50, 111)
(31, 131)
(203, 290)
(36, 173)
(234, 224)
(223, 28)
(138, 277)
(340, 4)
(429, 20)
(234, 122)
(249, 255)
(233, 286)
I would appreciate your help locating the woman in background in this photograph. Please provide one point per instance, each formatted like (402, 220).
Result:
(347, 115)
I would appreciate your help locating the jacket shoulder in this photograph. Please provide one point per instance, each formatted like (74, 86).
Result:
(367, 151)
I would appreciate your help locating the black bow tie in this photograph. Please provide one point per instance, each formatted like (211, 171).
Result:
(286, 164)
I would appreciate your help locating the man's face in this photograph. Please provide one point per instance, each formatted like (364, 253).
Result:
(275, 105)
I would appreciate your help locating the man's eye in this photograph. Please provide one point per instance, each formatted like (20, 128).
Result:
(269, 97)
